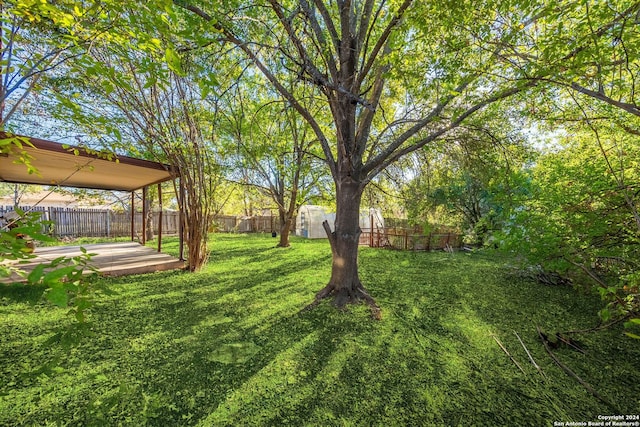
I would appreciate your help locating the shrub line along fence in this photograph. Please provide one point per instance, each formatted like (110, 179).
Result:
(76, 222)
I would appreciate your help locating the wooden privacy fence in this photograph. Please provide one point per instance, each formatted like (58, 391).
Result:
(245, 224)
(403, 239)
(75, 222)
(72, 222)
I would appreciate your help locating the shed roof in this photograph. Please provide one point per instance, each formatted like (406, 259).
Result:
(71, 166)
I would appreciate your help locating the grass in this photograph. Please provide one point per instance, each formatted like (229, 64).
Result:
(230, 346)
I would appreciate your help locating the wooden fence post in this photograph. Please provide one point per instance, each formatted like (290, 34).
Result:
(48, 218)
(371, 230)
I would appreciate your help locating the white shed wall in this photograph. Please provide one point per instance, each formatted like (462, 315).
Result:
(310, 218)
(309, 221)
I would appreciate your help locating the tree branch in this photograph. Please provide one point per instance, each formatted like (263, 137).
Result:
(389, 156)
(315, 25)
(629, 108)
(382, 41)
(231, 38)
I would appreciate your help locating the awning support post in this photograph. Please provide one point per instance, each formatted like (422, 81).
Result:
(144, 215)
(133, 213)
(182, 219)
(160, 217)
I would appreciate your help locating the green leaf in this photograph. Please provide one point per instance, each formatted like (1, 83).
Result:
(55, 275)
(204, 89)
(631, 323)
(58, 261)
(173, 60)
(36, 274)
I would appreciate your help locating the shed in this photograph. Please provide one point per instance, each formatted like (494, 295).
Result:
(310, 218)
(309, 221)
(371, 220)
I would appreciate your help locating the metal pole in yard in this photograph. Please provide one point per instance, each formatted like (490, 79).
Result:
(144, 215)
(133, 195)
(160, 217)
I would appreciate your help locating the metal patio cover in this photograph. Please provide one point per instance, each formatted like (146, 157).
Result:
(70, 166)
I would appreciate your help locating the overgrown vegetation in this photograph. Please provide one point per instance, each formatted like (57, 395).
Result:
(577, 217)
(230, 346)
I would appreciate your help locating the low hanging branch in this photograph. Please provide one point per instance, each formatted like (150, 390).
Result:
(327, 229)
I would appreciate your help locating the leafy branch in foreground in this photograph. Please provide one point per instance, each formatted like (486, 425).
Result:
(65, 281)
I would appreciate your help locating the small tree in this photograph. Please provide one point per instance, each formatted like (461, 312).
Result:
(276, 148)
(145, 102)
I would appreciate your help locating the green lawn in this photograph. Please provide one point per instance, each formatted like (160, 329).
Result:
(229, 346)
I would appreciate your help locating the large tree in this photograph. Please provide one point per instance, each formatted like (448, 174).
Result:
(395, 76)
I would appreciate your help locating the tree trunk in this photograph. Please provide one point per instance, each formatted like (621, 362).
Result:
(345, 285)
(149, 221)
(285, 228)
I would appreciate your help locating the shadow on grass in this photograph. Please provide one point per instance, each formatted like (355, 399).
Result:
(156, 359)
(22, 292)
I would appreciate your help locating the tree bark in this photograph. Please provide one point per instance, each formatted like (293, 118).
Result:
(285, 228)
(149, 221)
(345, 286)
